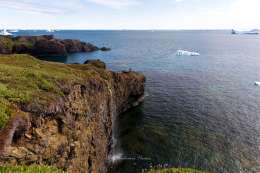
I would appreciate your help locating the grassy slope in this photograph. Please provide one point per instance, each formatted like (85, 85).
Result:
(24, 78)
(28, 169)
(176, 170)
(8, 42)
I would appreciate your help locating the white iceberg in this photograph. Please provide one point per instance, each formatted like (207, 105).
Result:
(5, 32)
(251, 32)
(186, 53)
(14, 31)
(257, 83)
(50, 30)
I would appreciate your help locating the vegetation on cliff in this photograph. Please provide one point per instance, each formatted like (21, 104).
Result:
(28, 169)
(61, 114)
(24, 79)
(176, 170)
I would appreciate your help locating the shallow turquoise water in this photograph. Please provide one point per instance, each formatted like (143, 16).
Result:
(200, 112)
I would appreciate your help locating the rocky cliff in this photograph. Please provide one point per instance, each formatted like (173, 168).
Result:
(45, 45)
(61, 115)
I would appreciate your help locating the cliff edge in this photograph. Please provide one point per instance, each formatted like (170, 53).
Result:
(61, 115)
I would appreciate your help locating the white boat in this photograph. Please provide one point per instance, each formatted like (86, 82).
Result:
(5, 32)
(186, 53)
(257, 83)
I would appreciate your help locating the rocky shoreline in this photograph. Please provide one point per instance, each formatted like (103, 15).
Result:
(45, 45)
(61, 115)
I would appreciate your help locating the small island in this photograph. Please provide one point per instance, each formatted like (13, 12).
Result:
(44, 45)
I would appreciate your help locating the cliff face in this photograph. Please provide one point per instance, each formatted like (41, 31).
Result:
(69, 123)
(45, 45)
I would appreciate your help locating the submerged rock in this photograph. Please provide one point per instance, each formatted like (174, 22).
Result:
(68, 112)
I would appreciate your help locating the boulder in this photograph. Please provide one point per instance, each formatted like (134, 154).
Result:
(105, 49)
(87, 47)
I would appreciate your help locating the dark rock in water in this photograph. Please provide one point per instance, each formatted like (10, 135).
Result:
(45, 45)
(105, 49)
(97, 63)
(87, 47)
(73, 46)
(52, 47)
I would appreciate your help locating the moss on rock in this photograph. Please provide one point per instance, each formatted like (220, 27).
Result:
(25, 79)
(28, 169)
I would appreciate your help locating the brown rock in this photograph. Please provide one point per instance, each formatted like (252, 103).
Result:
(74, 133)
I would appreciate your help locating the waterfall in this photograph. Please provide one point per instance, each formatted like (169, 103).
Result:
(115, 153)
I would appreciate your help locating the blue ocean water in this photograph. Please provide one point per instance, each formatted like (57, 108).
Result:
(200, 112)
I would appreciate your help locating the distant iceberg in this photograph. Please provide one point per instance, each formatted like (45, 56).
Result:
(257, 83)
(14, 31)
(186, 53)
(251, 32)
(5, 32)
(50, 30)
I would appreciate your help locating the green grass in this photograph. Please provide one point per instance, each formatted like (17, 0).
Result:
(176, 170)
(24, 79)
(28, 169)
(7, 42)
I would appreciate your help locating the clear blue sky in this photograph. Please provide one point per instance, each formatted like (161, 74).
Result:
(130, 14)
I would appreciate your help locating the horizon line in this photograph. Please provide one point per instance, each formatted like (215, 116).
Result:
(124, 29)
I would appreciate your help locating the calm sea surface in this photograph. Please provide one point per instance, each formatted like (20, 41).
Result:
(199, 112)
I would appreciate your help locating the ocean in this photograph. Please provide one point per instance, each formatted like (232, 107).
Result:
(200, 112)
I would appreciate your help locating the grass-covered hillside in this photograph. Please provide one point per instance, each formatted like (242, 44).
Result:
(24, 79)
(28, 169)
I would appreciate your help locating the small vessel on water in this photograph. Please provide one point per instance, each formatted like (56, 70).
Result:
(186, 53)
(5, 32)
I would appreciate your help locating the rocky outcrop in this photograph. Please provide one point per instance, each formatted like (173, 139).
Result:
(45, 45)
(97, 63)
(71, 129)
(73, 46)
(105, 49)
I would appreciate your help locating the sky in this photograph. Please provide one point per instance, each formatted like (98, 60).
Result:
(130, 14)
